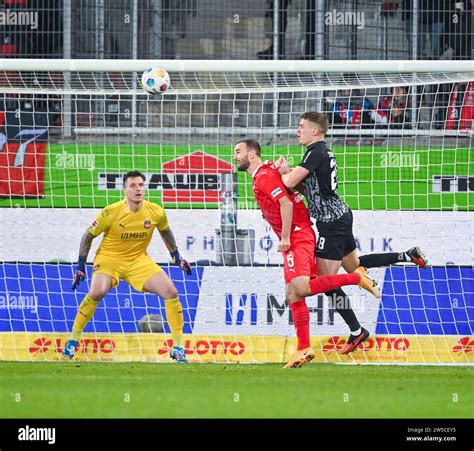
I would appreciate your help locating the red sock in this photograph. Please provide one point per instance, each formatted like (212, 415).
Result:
(301, 320)
(322, 284)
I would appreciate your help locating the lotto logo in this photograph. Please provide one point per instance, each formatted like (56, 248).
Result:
(40, 345)
(87, 345)
(334, 344)
(464, 345)
(205, 347)
(376, 344)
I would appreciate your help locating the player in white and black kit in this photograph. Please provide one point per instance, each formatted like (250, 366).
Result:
(316, 176)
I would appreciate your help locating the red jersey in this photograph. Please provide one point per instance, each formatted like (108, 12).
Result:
(269, 188)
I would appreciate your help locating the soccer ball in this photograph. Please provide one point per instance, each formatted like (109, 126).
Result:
(155, 80)
(151, 323)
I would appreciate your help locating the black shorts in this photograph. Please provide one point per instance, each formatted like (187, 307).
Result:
(335, 239)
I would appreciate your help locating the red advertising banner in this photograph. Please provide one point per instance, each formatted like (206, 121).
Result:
(22, 154)
(461, 107)
(197, 178)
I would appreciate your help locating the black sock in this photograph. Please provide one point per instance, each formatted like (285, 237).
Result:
(341, 303)
(386, 259)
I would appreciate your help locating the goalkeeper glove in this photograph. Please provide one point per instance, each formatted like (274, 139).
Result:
(80, 273)
(181, 262)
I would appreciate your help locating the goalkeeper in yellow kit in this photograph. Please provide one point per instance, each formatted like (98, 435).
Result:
(128, 227)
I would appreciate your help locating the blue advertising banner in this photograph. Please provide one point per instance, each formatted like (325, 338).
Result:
(36, 297)
(432, 301)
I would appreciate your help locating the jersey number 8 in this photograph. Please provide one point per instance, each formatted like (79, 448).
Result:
(321, 242)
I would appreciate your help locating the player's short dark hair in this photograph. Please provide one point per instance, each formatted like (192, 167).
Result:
(319, 119)
(131, 174)
(252, 144)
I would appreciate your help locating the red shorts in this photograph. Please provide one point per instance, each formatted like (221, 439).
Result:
(299, 259)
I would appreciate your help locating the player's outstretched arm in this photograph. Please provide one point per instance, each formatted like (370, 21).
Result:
(84, 249)
(284, 169)
(295, 177)
(168, 238)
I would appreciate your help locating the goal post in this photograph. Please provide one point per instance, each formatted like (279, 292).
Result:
(238, 66)
(402, 134)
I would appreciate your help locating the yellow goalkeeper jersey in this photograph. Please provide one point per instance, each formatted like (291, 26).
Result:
(127, 234)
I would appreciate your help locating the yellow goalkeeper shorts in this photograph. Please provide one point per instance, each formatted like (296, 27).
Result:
(135, 272)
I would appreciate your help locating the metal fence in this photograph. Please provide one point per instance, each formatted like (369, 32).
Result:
(237, 29)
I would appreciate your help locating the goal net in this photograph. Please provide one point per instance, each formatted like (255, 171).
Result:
(402, 135)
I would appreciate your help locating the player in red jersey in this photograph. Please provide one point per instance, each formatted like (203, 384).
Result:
(316, 175)
(288, 216)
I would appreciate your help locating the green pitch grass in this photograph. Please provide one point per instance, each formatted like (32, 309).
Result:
(144, 390)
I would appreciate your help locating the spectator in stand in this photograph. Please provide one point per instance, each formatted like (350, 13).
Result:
(459, 25)
(14, 40)
(267, 54)
(432, 16)
(47, 40)
(351, 110)
(7, 48)
(310, 30)
(393, 111)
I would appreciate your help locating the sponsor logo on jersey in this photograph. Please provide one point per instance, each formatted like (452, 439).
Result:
(147, 224)
(276, 191)
(133, 235)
